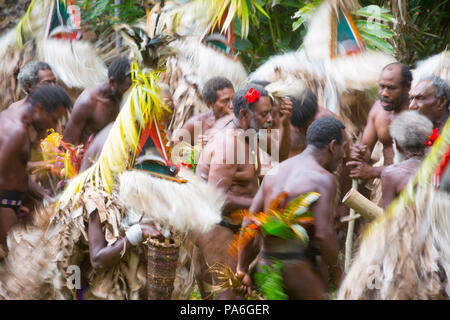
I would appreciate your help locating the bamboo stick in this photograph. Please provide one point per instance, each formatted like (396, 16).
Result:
(349, 239)
(362, 205)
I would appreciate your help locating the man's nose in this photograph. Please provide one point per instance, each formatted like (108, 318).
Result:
(383, 93)
(413, 104)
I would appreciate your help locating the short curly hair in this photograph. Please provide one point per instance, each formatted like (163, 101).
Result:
(51, 97)
(211, 87)
(29, 73)
(304, 109)
(119, 69)
(324, 130)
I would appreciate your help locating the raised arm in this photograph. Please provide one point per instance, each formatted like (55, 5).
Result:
(285, 143)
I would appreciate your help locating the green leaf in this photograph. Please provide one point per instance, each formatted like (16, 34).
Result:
(377, 42)
(374, 29)
(297, 24)
(269, 279)
(260, 9)
(383, 17)
(242, 44)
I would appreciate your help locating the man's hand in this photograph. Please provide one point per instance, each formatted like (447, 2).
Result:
(358, 152)
(149, 231)
(286, 111)
(246, 289)
(361, 170)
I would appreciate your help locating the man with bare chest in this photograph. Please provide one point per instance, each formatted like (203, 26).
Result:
(230, 162)
(98, 106)
(306, 173)
(217, 93)
(21, 128)
(393, 90)
(410, 131)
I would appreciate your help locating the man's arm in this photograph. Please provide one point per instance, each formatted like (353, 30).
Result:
(82, 110)
(248, 251)
(103, 256)
(363, 151)
(285, 143)
(324, 235)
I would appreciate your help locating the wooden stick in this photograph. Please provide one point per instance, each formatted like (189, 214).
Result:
(349, 239)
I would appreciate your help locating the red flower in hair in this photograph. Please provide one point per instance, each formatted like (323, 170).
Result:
(433, 137)
(252, 95)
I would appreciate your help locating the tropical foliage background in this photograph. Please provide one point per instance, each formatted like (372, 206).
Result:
(411, 29)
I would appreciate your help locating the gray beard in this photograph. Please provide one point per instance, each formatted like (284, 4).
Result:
(398, 157)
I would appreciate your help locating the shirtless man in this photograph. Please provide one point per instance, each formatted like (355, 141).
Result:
(217, 93)
(31, 75)
(98, 106)
(410, 130)
(431, 97)
(230, 162)
(393, 89)
(304, 111)
(310, 171)
(21, 128)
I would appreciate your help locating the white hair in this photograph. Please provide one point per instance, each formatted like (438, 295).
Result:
(411, 130)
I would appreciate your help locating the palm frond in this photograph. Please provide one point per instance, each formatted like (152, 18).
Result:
(221, 13)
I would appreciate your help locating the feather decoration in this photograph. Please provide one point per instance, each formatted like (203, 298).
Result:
(143, 104)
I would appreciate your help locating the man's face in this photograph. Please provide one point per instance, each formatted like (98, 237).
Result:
(223, 104)
(390, 89)
(46, 77)
(120, 89)
(43, 77)
(44, 120)
(423, 98)
(261, 116)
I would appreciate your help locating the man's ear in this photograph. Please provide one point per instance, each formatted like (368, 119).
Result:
(112, 81)
(332, 146)
(29, 87)
(301, 130)
(39, 109)
(244, 114)
(442, 103)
